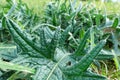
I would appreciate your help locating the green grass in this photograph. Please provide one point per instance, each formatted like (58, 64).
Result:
(111, 8)
(39, 6)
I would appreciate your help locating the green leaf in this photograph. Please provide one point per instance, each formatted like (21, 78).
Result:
(3, 22)
(12, 9)
(105, 55)
(11, 66)
(82, 32)
(97, 19)
(115, 23)
(51, 70)
(115, 43)
(84, 63)
(21, 38)
(82, 44)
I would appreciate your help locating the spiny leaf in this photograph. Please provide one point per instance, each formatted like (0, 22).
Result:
(105, 55)
(51, 70)
(24, 42)
(54, 42)
(84, 63)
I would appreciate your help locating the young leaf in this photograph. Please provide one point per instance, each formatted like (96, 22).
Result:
(82, 44)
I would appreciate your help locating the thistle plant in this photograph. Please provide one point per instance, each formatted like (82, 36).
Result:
(55, 50)
(50, 59)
